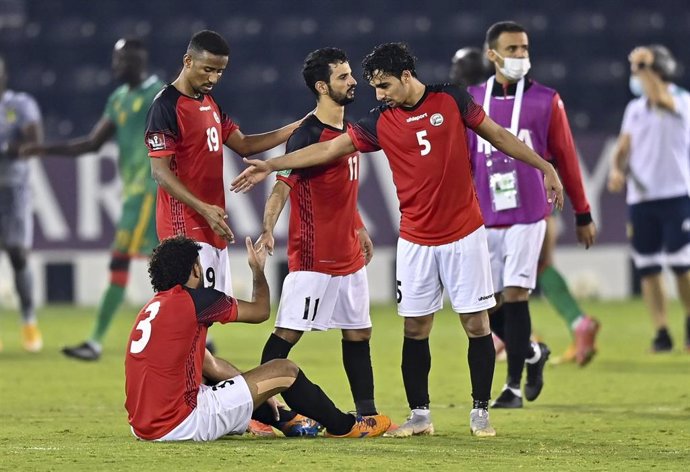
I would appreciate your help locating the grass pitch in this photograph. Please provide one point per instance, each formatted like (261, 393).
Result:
(628, 410)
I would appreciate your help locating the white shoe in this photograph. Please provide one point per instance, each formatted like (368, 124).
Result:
(479, 423)
(417, 424)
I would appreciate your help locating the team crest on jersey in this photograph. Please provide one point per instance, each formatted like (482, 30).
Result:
(216, 117)
(436, 119)
(157, 142)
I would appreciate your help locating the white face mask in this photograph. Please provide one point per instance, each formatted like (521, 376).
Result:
(636, 86)
(514, 68)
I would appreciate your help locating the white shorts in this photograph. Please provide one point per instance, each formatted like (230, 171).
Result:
(216, 265)
(312, 301)
(515, 254)
(462, 267)
(224, 408)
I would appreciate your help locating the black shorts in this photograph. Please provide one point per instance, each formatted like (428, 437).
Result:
(660, 233)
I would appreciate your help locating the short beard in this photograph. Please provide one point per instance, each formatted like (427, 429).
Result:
(341, 100)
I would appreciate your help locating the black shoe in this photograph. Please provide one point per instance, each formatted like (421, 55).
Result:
(83, 352)
(662, 342)
(211, 346)
(535, 374)
(507, 399)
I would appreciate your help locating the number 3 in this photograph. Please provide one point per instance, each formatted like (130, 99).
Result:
(145, 327)
(421, 135)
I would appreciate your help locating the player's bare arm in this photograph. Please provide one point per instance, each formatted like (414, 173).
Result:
(619, 164)
(247, 145)
(101, 132)
(313, 155)
(259, 309)
(216, 369)
(272, 210)
(31, 136)
(214, 215)
(504, 141)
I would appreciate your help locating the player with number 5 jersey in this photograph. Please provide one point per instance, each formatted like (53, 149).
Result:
(422, 131)
(185, 133)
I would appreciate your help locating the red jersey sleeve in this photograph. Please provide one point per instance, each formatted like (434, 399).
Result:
(359, 224)
(302, 137)
(161, 125)
(212, 306)
(472, 114)
(363, 133)
(227, 125)
(561, 147)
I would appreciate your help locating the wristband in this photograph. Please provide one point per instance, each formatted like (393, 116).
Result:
(583, 219)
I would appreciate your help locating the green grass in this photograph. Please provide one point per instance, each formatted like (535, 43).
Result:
(629, 410)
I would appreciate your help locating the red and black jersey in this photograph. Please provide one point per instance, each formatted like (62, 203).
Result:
(165, 355)
(427, 148)
(323, 207)
(192, 131)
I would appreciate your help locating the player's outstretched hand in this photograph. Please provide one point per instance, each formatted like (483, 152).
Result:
(616, 180)
(554, 188)
(257, 171)
(255, 257)
(265, 240)
(216, 216)
(30, 150)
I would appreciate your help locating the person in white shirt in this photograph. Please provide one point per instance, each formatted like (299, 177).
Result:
(653, 156)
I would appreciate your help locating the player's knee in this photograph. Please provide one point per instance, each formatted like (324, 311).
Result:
(357, 335)
(285, 368)
(476, 325)
(418, 328)
(18, 258)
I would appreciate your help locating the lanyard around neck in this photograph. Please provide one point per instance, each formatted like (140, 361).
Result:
(517, 107)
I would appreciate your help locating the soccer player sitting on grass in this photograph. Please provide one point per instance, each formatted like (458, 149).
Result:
(166, 358)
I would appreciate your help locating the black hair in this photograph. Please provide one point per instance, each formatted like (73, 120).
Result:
(172, 261)
(469, 67)
(210, 41)
(664, 63)
(389, 59)
(497, 29)
(317, 66)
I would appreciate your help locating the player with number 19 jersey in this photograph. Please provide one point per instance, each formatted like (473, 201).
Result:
(323, 207)
(193, 131)
(170, 331)
(430, 161)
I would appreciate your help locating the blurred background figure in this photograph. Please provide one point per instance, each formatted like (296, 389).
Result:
(124, 117)
(20, 123)
(469, 66)
(652, 155)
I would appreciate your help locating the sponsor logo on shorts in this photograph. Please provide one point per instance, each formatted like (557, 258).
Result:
(157, 142)
(436, 119)
(485, 297)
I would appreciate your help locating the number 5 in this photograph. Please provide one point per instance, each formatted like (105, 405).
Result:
(145, 327)
(421, 135)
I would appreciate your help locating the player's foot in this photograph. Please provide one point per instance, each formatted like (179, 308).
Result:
(568, 355)
(257, 428)
(535, 373)
(585, 337)
(366, 427)
(86, 351)
(509, 398)
(662, 342)
(300, 426)
(32, 341)
(500, 348)
(417, 424)
(479, 423)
